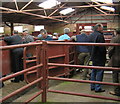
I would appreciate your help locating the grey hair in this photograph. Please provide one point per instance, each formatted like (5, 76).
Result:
(66, 30)
(96, 26)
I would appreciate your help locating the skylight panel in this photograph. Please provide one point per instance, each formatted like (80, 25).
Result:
(49, 4)
(108, 8)
(66, 11)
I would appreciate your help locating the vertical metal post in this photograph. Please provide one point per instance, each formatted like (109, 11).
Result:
(44, 72)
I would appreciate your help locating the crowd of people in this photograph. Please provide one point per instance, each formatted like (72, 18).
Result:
(97, 54)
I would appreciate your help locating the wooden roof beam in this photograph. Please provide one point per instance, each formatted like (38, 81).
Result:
(83, 6)
(26, 5)
(22, 12)
(56, 10)
(16, 5)
(98, 8)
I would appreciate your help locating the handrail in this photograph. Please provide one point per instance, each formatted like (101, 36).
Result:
(83, 66)
(19, 46)
(83, 81)
(84, 44)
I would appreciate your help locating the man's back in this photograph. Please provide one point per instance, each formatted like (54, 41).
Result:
(82, 39)
(12, 40)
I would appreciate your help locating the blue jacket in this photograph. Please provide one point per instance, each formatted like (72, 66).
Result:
(63, 37)
(82, 39)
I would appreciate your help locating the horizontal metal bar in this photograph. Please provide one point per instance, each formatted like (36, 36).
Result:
(19, 46)
(82, 66)
(20, 72)
(33, 97)
(85, 95)
(84, 44)
(21, 89)
(83, 81)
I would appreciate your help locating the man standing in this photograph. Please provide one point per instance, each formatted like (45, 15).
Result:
(114, 54)
(17, 54)
(83, 56)
(98, 57)
(26, 37)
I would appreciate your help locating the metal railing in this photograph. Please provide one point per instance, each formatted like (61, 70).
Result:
(43, 77)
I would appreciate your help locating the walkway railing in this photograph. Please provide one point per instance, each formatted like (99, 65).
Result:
(42, 69)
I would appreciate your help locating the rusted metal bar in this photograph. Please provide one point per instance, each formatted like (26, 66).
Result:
(21, 89)
(33, 97)
(83, 81)
(20, 72)
(84, 44)
(85, 95)
(82, 66)
(19, 46)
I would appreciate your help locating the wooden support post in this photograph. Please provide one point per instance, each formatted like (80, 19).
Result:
(12, 28)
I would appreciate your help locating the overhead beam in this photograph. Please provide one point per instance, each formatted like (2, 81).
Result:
(80, 17)
(98, 8)
(16, 5)
(41, 16)
(27, 4)
(83, 6)
(56, 10)
(87, 15)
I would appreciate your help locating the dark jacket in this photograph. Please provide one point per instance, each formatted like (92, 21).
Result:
(13, 40)
(17, 53)
(98, 53)
(114, 52)
(82, 39)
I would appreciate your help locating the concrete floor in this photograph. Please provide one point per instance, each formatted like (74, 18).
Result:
(60, 85)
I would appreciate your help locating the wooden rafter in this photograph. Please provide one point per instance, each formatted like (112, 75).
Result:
(27, 5)
(81, 17)
(16, 4)
(22, 12)
(83, 6)
(70, 15)
(45, 13)
(56, 10)
(98, 8)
